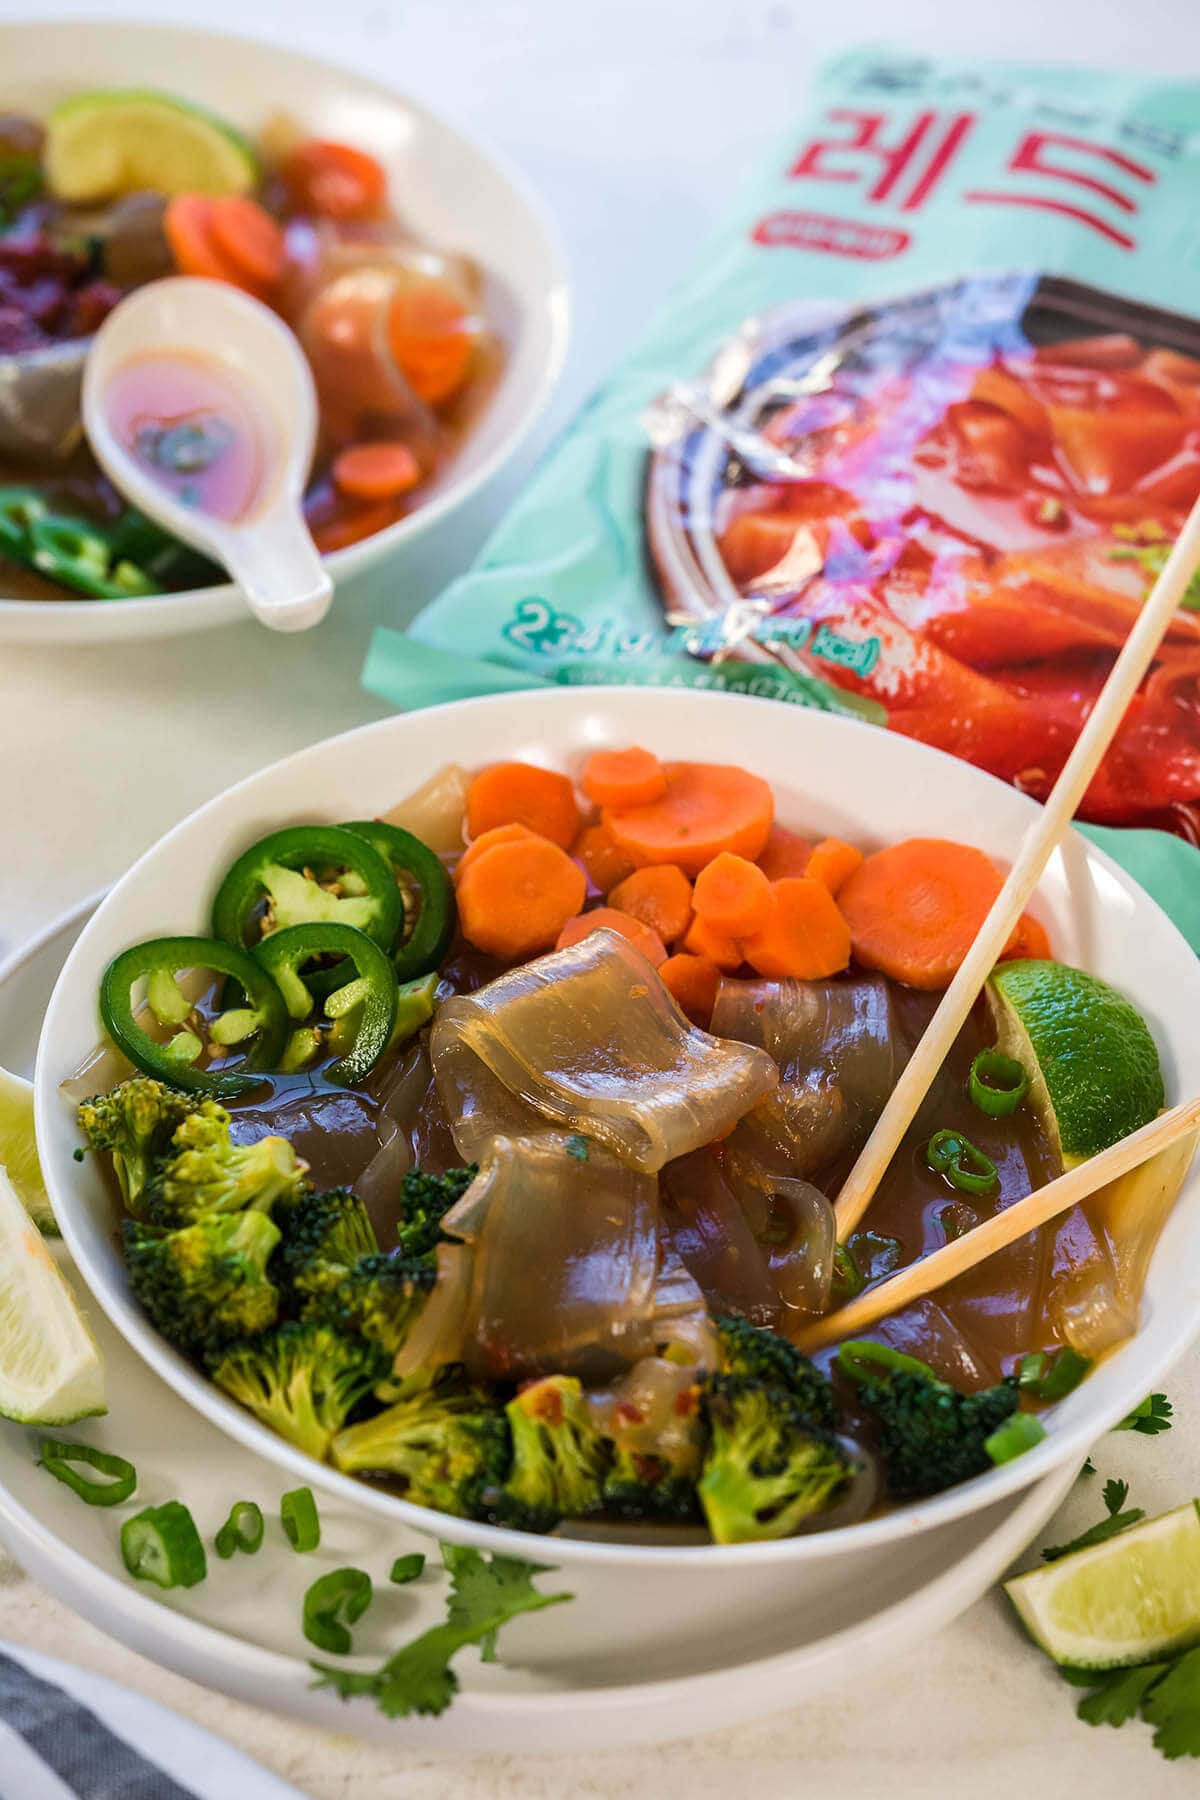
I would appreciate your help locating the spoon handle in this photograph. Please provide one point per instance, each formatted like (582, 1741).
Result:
(280, 572)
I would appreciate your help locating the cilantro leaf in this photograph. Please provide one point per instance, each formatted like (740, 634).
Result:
(1116, 1522)
(1173, 1708)
(1152, 1416)
(1115, 1495)
(1120, 1696)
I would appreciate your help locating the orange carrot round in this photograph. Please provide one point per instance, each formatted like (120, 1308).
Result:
(787, 853)
(247, 236)
(605, 864)
(335, 181)
(187, 226)
(833, 861)
(521, 793)
(660, 897)
(693, 981)
(624, 777)
(432, 336)
(515, 899)
(707, 808)
(639, 935)
(487, 840)
(733, 896)
(913, 909)
(714, 946)
(1030, 940)
(376, 471)
(805, 936)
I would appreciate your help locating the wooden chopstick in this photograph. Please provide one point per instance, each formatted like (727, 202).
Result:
(1014, 1222)
(1041, 840)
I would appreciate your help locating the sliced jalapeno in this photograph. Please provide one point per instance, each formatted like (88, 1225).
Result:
(429, 911)
(262, 1017)
(965, 1166)
(370, 995)
(281, 869)
(161, 1544)
(864, 1359)
(997, 1083)
(81, 557)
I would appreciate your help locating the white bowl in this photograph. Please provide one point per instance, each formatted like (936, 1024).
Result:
(830, 776)
(454, 193)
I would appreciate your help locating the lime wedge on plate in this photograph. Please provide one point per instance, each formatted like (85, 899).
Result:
(116, 141)
(50, 1368)
(1131, 1600)
(18, 1150)
(1093, 1068)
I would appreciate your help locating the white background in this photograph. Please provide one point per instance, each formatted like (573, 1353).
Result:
(636, 119)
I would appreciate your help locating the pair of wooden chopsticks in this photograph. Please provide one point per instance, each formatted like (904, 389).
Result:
(1041, 840)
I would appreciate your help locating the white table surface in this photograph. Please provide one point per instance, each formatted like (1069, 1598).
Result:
(636, 119)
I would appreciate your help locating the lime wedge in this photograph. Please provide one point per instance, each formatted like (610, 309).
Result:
(1093, 1067)
(1131, 1600)
(18, 1150)
(50, 1368)
(122, 140)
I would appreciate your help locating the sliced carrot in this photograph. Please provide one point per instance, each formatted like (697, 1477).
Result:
(693, 981)
(376, 471)
(733, 896)
(1029, 940)
(187, 226)
(833, 862)
(707, 808)
(521, 793)
(805, 937)
(624, 777)
(787, 853)
(487, 840)
(660, 897)
(247, 236)
(639, 935)
(605, 864)
(714, 946)
(515, 899)
(914, 908)
(432, 336)
(338, 530)
(335, 181)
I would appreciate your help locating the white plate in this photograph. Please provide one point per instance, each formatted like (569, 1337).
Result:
(704, 1654)
(454, 193)
(831, 776)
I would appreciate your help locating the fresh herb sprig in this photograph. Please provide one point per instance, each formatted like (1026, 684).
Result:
(1118, 1520)
(1153, 1415)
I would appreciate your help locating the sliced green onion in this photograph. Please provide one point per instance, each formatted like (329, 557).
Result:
(965, 1166)
(862, 1359)
(407, 1568)
(1052, 1377)
(997, 1083)
(848, 1278)
(332, 1604)
(161, 1544)
(58, 1455)
(300, 1519)
(242, 1530)
(1015, 1437)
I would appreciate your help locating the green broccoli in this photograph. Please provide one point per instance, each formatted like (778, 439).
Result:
(559, 1457)
(657, 1446)
(448, 1444)
(206, 1284)
(424, 1202)
(767, 1357)
(323, 1236)
(378, 1298)
(134, 1125)
(930, 1436)
(646, 1487)
(203, 1172)
(767, 1468)
(301, 1380)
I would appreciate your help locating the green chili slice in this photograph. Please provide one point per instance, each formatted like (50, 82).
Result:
(57, 1455)
(80, 556)
(242, 1530)
(863, 1359)
(1015, 1437)
(428, 895)
(300, 1520)
(848, 1278)
(1052, 1377)
(263, 1016)
(161, 1544)
(407, 1568)
(371, 995)
(965, 1167)
(997, 1084)
(332, 1604)
(281, 870)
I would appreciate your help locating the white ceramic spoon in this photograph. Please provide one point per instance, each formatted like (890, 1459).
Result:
(267, 548)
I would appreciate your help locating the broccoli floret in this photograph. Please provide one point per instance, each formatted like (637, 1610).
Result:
(767, 1469)
(559, 1457)
(324, 1235)
(206, 1284)
(378, 1298)
(930, 1436)
(644, 1487)
(203, 1172)
(767, 1357)
(657, 1444)
(448, 1443)
(424, 1202)
(301, 1380)
(135, 1124)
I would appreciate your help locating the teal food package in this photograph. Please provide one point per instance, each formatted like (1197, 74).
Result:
(912, 444)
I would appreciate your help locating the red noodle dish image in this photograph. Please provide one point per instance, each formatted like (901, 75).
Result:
(955, 505)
